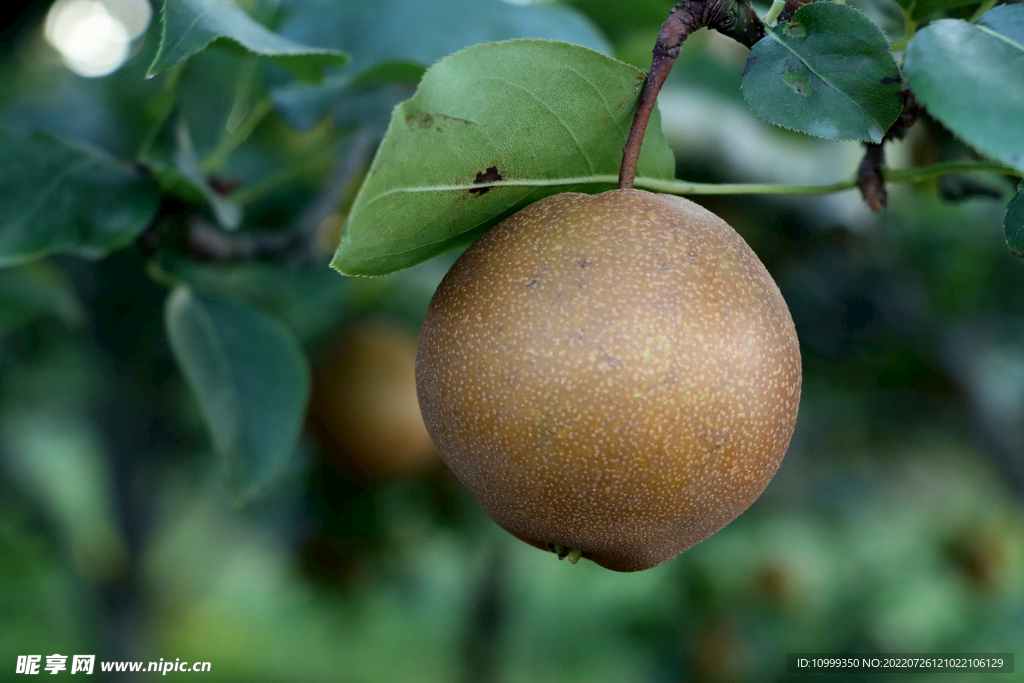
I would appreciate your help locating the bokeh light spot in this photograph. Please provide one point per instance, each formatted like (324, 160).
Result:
(93, 36)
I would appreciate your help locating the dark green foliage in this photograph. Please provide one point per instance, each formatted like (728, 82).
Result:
(60, 197)
(828, 73)
(970, 77)
(251, 379)
(191, 25)
(166, 295)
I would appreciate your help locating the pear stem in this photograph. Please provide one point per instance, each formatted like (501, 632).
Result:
(677, 28)
(734, 18)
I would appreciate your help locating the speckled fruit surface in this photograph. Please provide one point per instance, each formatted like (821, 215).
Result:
(616, 374)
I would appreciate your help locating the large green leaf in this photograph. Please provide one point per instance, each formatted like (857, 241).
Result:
(58, 197)
(492, 129)
(1014, 222)
(191, 25)
(971, 78)
(1007, 21)
(251, 379)
(827, 73)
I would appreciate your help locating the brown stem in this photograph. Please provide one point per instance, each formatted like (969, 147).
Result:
(207, 242)
(869, 177)
(679, 25)
(734, 18)
(870, 180)
(908, 115)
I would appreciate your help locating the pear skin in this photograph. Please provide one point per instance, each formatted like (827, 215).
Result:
(612, 376)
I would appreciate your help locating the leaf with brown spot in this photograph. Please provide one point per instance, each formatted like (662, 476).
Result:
(489, 176)
(828, 73)
(551, 116)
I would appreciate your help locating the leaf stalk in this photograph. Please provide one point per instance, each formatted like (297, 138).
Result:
(681, 187)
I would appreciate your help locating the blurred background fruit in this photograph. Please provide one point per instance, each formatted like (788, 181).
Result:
(364, 408)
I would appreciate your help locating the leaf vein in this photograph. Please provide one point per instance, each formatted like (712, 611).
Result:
(184, 34)
(579, 146)
(604, 100)
(810, 68)
(1000, 36)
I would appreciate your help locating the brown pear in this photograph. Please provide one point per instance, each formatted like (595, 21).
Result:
(364, 409)
(612, 376)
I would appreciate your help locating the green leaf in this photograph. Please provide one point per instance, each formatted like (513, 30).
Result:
(827, 73)
(971, 78)
(191, 25)
(59, 197)
(251, 379)
(492, 129)
(173, 160)
(35, 290)
(1014, 222)
(190, 170)
(1006, 20)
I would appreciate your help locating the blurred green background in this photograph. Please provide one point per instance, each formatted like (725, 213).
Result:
(894, 524)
